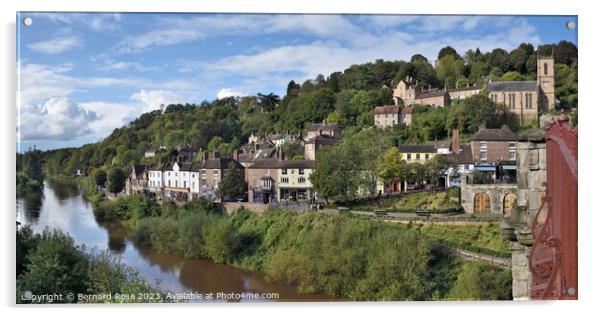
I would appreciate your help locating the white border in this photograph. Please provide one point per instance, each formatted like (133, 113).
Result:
(589, 123)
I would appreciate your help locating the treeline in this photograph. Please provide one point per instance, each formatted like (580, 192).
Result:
(335, 255)
(50, 263)
(347, 98)
(30, 175)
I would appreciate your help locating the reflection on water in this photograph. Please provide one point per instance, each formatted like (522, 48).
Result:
(63, 209)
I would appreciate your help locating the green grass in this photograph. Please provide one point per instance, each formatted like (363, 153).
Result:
(438, 202)
(485, 239)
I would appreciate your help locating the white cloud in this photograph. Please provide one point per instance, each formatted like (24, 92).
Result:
(58, 119)
(155, 98)
(125, 65)
(110, 115)
(56, 45)
(133, 44)
(228, 92)
(100, 22)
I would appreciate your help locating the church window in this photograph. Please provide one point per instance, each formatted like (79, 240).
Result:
(545, 69)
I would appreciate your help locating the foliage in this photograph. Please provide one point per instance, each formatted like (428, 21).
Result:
(478, 281)
(116, 178)
(51, 263)
(100, 177)
(232, 187)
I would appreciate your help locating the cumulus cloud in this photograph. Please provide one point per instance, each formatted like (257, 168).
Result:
(56, 45)
(155, 98)
(227, 92)
(57, 119)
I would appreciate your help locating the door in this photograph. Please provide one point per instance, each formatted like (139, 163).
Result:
(509, 202)
(482, 203)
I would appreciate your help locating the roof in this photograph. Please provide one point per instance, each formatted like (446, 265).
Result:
(465, 155)
(387, 109)
(512, 86)
(139, 169)
(159, 167)
(219, 163)
(494, 134)
(278, 136)
(465, 89)
(407, 110)
(431, 94)
(257, 155)
(417, 149)
(283, 164)
(322, 140)
(322, 126)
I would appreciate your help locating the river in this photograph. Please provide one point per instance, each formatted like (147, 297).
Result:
(64, 209)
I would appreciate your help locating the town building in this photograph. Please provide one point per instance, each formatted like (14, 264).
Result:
(275, 181)
(409, 92)
(210, 174)
(280, 139)
(313, 145)
(523, 98)
(417, 153)
(464, 92)
(390, 115)
(137, 181)
(330, 130)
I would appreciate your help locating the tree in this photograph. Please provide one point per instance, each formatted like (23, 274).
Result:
(293, 148)
(448, 51)
(100, 177)
(390, 166)
(232, 187)
(512, 76)
(214, 144)
(116, 179)
(268, 102)
(439, 166)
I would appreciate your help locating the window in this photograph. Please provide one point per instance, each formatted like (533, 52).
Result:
(169, 183)
(417, 156)
(513, 101)
(483, 151)
(301, 171)
(545, 69)
(285, 171)
(204, 182)
(168, 173)
(176, 184)
(512, 150)
(409, 156)
(528, 100)
(215, 172)
(284, 180)
(301, 180)
(184, 183)
(427, 156)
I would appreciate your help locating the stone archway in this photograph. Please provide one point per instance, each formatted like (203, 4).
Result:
(509, 202)
(482, 203)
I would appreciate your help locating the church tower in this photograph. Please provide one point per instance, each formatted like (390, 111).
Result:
(545, 82)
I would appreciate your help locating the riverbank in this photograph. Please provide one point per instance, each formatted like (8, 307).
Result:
(337, 255)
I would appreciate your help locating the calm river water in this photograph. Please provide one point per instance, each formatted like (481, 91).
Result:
(57, 208)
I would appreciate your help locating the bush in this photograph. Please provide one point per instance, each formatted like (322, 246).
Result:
(479, 281)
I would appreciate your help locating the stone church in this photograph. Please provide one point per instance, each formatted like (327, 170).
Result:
(525, 98)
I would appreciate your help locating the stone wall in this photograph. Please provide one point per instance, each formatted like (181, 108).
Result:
(531, 175)
(496, 193)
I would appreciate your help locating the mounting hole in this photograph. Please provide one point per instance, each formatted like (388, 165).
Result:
(571, 291)
(27, 21)
(570, 25)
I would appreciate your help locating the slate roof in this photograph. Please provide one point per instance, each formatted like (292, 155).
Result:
(465, 89)
(219, 163)
(512, 86)
(259, 154)
(465, 155)
(284, 164)
(417, 149)
(387, 109)
(139, 169)
(321, 126)
(431, 94)
(494, 134)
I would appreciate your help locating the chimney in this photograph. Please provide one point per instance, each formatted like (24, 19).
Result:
(215, 154)
(455, 141)
(482, 127)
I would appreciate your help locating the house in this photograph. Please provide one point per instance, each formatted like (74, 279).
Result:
(247, 159)
(523, 98)
(390, 115)
(488, 170)
(211, 173)
(177, 181)
(280, 139)
(330, 130)
(464, 92)
(417, 153)
(410, 92)
(275, 180)
(314, 144)
(253, 139)
(187, 154)
(137, 181)
(155, 180)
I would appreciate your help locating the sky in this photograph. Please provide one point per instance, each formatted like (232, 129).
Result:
(80, 76)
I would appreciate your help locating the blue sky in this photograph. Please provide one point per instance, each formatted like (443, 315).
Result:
(82, 75)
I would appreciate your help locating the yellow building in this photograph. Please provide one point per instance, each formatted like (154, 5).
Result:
(417, 153)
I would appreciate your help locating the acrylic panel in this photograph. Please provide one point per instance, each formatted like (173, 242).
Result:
(197, 157)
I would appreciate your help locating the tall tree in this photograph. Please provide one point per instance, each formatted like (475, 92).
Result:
(232, 186)
(268, 102)
(116, 179)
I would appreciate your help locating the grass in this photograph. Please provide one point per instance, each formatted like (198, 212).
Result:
(485, 239)
(437, 202)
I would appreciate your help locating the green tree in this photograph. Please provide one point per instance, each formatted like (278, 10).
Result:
(116, 178)
(100, 177)
(512, 76)
(390, 166)
(232, 186)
